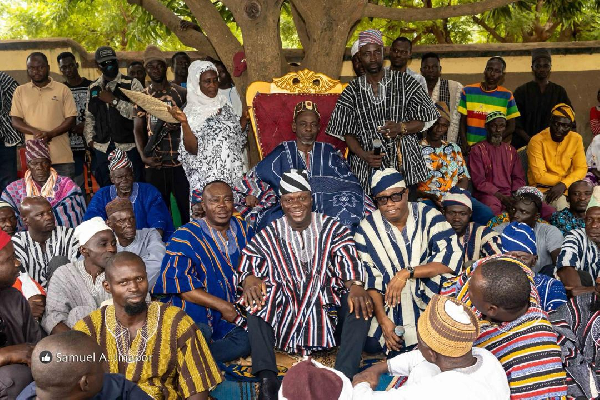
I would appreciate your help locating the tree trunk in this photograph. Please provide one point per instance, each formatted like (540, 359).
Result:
(259, 22)
(327, 29)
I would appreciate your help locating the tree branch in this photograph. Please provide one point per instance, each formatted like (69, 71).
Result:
(489, 29)
(167, 17)
(300, 27)
(411, 15)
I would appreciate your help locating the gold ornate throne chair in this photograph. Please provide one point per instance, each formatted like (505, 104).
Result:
(272, 107)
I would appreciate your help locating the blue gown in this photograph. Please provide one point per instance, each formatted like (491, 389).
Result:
(149, 207)
(336, 191)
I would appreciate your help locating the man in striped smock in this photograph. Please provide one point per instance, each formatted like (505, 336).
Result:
(383, 105)
(579, 256)
(152, 344)
(513, 327)
(408, 250)
(295, 273)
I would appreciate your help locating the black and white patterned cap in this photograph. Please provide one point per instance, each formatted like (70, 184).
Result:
(296, 180)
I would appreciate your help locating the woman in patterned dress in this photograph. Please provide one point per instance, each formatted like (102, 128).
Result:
(212, 139)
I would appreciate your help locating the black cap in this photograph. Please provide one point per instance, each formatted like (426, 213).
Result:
(105, 53)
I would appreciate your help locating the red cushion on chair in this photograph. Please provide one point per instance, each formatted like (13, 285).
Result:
(274, 113)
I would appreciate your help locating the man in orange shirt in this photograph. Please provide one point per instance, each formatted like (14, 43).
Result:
(556, 157)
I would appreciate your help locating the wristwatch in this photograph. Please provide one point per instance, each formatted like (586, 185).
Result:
(411, 271)
(357, 283)
(114, 102)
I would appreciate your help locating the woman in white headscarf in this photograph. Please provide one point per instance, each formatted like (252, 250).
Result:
(212, 140)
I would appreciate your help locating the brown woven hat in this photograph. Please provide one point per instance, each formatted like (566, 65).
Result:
(448, 327)
(153, 53)
(118, 204)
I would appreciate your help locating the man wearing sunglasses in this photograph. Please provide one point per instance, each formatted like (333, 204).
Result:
(18, 330)
(109, 116)
(406, 248)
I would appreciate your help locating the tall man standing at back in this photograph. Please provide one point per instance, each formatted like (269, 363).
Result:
(400, 55)
(386, 106)
(158, 141)
(444, 90)
(109, 117)
(45, 109)
(479, 99)
(535, 99)
(78, 86)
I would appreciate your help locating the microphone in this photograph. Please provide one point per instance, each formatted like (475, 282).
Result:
(377, 147)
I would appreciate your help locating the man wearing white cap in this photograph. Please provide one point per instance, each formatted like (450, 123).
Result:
(294, 273)
(407, 249)
(76, 288)
(380, 116)
(446, 366)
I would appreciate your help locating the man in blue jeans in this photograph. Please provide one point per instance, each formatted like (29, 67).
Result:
(198, 268)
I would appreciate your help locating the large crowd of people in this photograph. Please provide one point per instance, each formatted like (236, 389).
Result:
(458, 238)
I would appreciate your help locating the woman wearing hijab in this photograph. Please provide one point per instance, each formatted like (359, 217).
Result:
(212, 140)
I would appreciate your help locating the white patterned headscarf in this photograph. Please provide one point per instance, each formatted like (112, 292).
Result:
(199, 106)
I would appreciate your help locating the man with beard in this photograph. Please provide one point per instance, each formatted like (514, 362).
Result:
(536, 98)
(76, 288)
(148, 204)
(336, 191)
(480, 99)
(44, 246)
(154, 345)
(157, 141)
(19, 331)
(501, 292)
(109, 116)
(495, 166)
(295, 274)
(41, 179)
(443, 90)
(78, 85)
(477, 241)
(400, 55)
(44, 109)
(579, 254)
(573, 217)
(146, 242)
(384, 107)
(198, 269)
(556, 157)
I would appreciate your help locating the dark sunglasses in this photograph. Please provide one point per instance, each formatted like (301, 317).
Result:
(395, 197)
(525, 200)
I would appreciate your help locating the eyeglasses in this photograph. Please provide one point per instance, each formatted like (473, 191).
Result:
(395, 197)
(104, 64)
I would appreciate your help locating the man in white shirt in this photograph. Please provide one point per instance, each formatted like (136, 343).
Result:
(445, 366)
